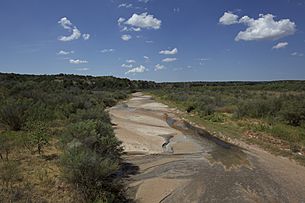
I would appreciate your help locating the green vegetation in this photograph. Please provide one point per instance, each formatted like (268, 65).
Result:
(265, 113)
(57, 141)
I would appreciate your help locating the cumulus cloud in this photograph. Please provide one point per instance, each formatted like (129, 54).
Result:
(107, 50)
(139, 69)
(75, 33)
(168, 60)
(86, 36)
(126, 65)
(126, 37)
(265, 27)
(169, 52)
(159, 67)
(143, 20)
(297, 54)
(62, 52)
(228, 18)
(77, 61)
(262, 28)
(280, 45)
(65, 23)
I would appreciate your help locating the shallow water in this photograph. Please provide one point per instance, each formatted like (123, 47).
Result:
(217, 150)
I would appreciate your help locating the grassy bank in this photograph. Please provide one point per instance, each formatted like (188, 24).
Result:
(270, 116)
(56, 139)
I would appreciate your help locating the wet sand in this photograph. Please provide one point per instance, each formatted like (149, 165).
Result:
(181, 163)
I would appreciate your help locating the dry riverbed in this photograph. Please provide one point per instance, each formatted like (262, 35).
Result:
(172, 161)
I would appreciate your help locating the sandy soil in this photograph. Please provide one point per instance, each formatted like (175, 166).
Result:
(179, 163)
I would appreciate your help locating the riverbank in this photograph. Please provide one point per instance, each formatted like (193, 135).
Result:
(178, 163)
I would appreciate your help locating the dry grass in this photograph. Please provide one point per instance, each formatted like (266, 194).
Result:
(39, 178)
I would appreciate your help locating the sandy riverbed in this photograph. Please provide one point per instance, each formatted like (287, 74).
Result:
(181, 164)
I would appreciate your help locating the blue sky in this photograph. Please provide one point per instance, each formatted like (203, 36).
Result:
(161, 40)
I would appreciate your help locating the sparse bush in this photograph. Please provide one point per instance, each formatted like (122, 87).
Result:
(36, 137)
(9, 141)
(96, 113)
(80, 130)
(190, 108)
(9, 173)
(91, 174)
(12, 115)
(293, 113)
(205, 109)
(107, 142)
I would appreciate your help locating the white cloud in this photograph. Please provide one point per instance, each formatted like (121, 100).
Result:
(62, 52)
(107, 50)
(149, 41)
(125, 5)
(143, 20)
(203, 59)
(75, 33)
(139, 69)
(168, 60)
(136, 29)
(265, 27)
(146, 57)
(144, 1)
(297, 54)
(176, 10)
(126, 37)
(121, 20)
(126, 65)
(82, 69)
(280, 45)
(66, 24)
(159, 67)
(228, 18)
(77, 61)
(130, 61)
(131, 29)
(86, 36)
(169, 52)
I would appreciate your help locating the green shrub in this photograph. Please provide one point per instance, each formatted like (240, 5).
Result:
(12, 115)
(37, 137)
(91, 174)
(107, 143)
(96, 113)
(293, 113)
(205, 109)
(80, 130)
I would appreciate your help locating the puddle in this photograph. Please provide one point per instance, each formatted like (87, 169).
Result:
(217, 150)
(167, 148)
